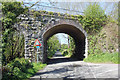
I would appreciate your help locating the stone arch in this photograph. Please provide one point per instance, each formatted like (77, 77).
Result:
(71, 27)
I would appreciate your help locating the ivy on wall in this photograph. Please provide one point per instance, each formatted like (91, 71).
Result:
(12, 40)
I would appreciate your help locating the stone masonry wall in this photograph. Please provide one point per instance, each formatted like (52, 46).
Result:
(33, 27)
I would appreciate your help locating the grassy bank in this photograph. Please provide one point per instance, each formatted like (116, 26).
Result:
(20, 69)
(103, 58)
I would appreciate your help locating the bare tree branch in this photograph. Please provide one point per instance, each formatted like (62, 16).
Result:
(35, 3)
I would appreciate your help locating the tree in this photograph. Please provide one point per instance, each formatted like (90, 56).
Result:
(68, 40)
(64, 46)
(94, 10)
(72, 44)
(94, 18)
(70, 48)
(53, 45)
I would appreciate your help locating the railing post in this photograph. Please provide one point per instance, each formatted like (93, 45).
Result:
(37, 55)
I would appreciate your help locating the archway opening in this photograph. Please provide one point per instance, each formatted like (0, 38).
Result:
(71, 30)
(60, 48)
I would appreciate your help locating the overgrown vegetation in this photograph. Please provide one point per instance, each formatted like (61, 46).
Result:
(68, 49)
(103, 58)
(65, 52)
(72, 46)
(94, 18)
(63, 47)
(102, 35)
(53, 45)
(14, 66)
(12, 40)
(20, 69)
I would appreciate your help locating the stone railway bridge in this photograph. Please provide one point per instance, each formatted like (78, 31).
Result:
(46, 25)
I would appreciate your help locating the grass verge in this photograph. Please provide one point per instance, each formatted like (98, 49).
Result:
(103, 58)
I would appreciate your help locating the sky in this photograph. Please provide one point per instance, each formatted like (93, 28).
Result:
(76, 5)
(62, 38)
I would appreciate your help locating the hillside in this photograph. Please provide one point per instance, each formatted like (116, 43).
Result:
(108, 41)
(104, 41)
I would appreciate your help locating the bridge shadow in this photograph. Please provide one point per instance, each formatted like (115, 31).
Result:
(59, 58)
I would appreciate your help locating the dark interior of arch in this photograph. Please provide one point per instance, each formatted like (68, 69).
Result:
(74, 32)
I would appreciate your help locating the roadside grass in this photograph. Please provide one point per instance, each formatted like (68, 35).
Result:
(38, 66)
(103, 58)
(20, 69)
(51, 53)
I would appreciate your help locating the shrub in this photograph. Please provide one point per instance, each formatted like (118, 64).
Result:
(11, 38)
(50, 13)
(20, 69)
(36, 14)
(65, 52)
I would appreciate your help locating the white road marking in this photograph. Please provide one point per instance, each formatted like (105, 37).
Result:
(106, 71)
(92, 71)
(98, 67)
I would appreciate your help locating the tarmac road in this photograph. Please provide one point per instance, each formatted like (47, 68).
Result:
(64, 68)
